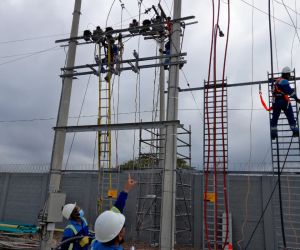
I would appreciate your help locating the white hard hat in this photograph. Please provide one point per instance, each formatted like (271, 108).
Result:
(286, 70)
(108, 225)
(68, 209)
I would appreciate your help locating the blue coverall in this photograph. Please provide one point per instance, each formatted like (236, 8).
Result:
(280, 103)
(75, 229)
(119, 204)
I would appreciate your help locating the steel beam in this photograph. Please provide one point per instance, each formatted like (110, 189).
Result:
(126, 61)
(123, 69)
(241, 84)
(127, 29)
(120, 126)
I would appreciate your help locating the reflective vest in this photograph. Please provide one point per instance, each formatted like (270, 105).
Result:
(277, 92)
(75, 232)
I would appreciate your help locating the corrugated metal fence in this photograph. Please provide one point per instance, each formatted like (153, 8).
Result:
(22, 195)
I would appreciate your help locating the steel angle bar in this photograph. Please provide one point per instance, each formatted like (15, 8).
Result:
(120, 126)
(124, 68)
(127, 29)
(231, 85)
(126, 61)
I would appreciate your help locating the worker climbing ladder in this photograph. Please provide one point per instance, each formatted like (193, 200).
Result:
(215, 206)
(107, 191)
(286, 160)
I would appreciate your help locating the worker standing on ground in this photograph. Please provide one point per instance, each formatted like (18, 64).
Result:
(281, 101)
(109, 226)
(77, 226)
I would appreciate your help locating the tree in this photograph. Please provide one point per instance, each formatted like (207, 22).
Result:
(148, 161)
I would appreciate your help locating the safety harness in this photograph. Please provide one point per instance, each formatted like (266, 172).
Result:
(276, 92)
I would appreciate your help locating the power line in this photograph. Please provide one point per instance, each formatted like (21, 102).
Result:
(266, 13)
(121, 113)
(290, 8)
(21, 54)
(32, 38)
(30, 55)
(291, 19)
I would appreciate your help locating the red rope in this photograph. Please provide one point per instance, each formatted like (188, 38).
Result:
(208, 133)
(263, 103)
(223, 139)
(215, 131)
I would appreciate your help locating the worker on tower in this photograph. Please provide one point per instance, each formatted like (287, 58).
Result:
(281, 101)
(77, 226)
(109, 226)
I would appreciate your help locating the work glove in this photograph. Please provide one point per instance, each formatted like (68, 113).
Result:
(84, 241)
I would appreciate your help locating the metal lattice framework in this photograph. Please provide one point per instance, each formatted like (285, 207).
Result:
(286, 160)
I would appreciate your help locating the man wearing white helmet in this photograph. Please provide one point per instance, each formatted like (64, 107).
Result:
(77, 226)
(281, 92)
(109, 226)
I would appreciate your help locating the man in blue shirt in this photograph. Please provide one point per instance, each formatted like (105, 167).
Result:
(109, 226)
(77, 226)
(281, 92)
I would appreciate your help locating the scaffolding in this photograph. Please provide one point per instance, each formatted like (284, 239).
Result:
(285, 161)
(215, 155)
(150, 186)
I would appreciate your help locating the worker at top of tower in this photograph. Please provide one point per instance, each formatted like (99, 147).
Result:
(109, 226)
(77, 226)
(281, 92)
(132, 25)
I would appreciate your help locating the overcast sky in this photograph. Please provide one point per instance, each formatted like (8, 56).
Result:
(30, 63)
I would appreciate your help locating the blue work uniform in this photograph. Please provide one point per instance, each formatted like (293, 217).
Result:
(167, 52)
(75, 229)
(96, 245)
(282, 90)
(118, 207)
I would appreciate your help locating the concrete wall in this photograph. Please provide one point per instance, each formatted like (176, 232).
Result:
(22, 196)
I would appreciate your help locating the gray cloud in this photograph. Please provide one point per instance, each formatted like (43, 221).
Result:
(30, 88)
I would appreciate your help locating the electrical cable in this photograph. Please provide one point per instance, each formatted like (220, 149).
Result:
(80, 111)
(122, 113)
(275, 38)
(30, 55)
(290, 8)
(270, 198)
(292, 47)
(188, 84)
(109, 12)
(250, 128)
(277, 143)
(291, 20)
(32, 38)
(137, 93)
(266, 13)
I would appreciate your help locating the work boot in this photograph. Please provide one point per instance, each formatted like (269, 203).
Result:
(102, 70)
(107, 78)
(295, 130)
(274, 134)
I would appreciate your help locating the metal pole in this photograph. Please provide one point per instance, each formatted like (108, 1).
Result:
(167, 222)
(162, 115)
(62, 120)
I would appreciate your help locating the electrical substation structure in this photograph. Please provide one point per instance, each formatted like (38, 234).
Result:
(109, 63)
(164, 202)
